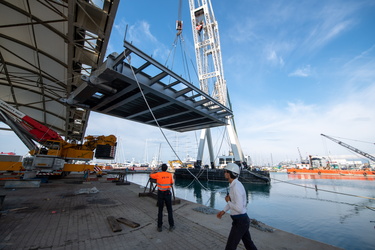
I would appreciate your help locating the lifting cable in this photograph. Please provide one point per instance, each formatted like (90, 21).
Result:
(172, 54)
(174, 45)
(156, 121)
(179, 37)
(185, 67)
(354, 140)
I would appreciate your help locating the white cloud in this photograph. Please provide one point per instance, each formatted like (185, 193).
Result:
(329, 22)
(140, 33)
(279, 130)
(274, 58)
(302, 72)
(366, 53)
(273, 35)
(324, 33)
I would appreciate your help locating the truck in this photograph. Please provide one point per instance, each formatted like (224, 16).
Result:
(49, 153)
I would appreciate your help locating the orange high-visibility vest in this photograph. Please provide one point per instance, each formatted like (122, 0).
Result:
(164, 180)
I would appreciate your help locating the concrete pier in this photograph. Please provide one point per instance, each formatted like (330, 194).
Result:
(67, 214)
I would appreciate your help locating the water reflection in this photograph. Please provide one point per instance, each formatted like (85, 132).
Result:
(258, 189)
(217, 189)
(201, 188)
(331, 177)
(337, 213)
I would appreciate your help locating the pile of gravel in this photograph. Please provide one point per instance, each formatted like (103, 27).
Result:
(261, 226)
(205, 210)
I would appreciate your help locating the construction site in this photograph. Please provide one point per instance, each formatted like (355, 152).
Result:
(54, 74)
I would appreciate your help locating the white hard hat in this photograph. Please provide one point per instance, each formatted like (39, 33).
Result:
(233, 167)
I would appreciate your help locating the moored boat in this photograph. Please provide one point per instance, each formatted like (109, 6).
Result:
(208, 174)
(318, 171)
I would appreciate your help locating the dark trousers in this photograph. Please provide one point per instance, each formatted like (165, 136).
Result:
(240, 231)
(165, 197)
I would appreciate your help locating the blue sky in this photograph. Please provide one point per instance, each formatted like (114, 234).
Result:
(294, 70)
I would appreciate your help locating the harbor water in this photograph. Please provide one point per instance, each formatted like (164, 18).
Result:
(336, 211)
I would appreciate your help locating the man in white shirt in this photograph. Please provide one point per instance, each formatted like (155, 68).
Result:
(236, 203)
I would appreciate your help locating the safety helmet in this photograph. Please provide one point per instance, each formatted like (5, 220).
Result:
(233, 167)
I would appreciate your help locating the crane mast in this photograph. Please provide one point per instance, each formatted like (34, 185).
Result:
(207, 49)
(210, 72)
(350, 147)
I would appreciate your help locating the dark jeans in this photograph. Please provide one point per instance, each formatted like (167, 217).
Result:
(240, 230)
(165, 196)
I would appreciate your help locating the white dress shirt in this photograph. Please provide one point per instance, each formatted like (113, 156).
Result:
(237, 203)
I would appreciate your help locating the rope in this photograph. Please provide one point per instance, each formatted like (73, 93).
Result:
(314, 188)
(324, 190)
(172, 54)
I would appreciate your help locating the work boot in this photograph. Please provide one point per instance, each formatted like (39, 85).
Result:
(171, 228)
(160, 229)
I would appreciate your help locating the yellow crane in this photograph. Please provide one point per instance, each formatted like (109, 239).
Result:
(49, 153)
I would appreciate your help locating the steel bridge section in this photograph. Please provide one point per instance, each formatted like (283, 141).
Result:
(115, 89)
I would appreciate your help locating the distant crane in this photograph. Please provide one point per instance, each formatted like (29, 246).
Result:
(356, 150)
(300, 156)
(211, 73)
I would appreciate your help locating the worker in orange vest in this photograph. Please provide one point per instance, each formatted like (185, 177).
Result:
(164, 181)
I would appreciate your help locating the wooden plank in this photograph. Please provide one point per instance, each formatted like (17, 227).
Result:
(155, 196)
(115, 226)
(176, 201)
(128, 222)
(152, 195)
(123, 183)
(2, 198)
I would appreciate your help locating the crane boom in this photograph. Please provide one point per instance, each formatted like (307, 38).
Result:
(350, 147)
(300, 156)
(34, 129)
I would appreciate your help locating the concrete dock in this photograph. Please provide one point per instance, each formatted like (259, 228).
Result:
(68, 214)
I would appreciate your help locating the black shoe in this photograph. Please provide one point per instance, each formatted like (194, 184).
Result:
(171, 228)
(160, 229)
